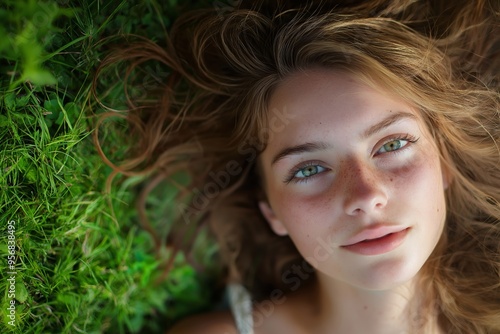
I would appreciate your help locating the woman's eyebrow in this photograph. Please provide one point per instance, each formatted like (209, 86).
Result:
(321, 146)
(386, 122)
(307, 147)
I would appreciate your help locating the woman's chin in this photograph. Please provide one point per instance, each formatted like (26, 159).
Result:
(386, 275)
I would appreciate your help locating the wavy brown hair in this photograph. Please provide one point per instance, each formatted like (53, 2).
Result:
(209, 119)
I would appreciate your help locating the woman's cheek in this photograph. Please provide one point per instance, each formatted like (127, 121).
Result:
(305, 211)
(421, 169)
(312, 188)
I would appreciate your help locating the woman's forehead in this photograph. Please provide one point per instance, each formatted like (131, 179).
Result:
(316, 104)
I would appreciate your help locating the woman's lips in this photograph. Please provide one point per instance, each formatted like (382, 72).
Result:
(380, 245)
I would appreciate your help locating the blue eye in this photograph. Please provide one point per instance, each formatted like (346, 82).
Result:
(393, 145)
(396, 144)
(309, 171)
(304, 173)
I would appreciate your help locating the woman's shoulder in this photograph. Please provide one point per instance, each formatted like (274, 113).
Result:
(287, 314)
(220, 322)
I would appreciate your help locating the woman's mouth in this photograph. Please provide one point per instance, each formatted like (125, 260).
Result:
(379, 245)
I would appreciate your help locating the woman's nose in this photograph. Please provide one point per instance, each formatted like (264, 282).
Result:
(364, 189)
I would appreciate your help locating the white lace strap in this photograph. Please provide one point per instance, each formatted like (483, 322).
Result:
(241, 307)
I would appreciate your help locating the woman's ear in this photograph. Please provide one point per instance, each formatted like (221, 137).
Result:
(268, 213)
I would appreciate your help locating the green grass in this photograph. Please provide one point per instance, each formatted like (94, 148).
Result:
(83, 262)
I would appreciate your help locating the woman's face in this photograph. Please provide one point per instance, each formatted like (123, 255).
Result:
(354, 179)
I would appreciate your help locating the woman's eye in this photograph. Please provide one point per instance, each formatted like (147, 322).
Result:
(393, 145)
(309, 171)
(304, 173)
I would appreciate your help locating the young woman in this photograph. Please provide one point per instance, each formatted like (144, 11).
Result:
(346, 157)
